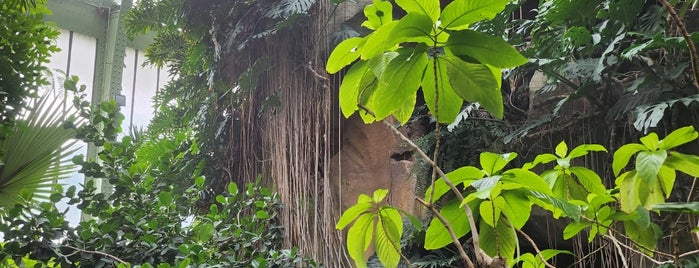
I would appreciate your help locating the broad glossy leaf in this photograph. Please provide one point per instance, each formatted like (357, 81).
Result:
(589, 179)
(483, 187)
(449, 103)
(378, 41)
(517, 208)
(689, 164)
(351, 214)
(460, 13)
(388, 231)
(354, 82)
(357, 236)
(405, 111)
(437, 236)
(378, 14)
(427, 7)
(574, 228)
(475, 83)
(629, 185)
(529, 180)
(414, 28)
(583, 149)
(678, 137)
(648, 165)
(344, 54)
(490, 210)
(492, 163)
(562, 149)
(378, 64)
(485, 49)
(458, 176)
(666, 177)
(401, 80)
(650, 141)
(540, 159)
(570, 210)
(505, 242)
(623, 155)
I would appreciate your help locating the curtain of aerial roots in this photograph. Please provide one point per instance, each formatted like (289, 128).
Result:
(297, 139)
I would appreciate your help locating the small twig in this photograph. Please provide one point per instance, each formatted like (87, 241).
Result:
(617, 245)
(446, 224)
(538, 252)
(687, 38)
(95, 252)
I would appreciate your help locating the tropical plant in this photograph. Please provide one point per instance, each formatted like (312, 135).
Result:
(36, 153)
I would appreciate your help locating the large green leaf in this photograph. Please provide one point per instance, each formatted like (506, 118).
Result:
(437, 235)
(688, 164)
(629, 191)
(378, 41)
(498, 241)
(378, 14)
(589, 179)
(528, 180)
(414, 28)
(357, 236)
(574, 228)
(351, 214)
(678, 137)
(648, 165)
(568, 209)
(517, 208)
(344, 54)
(475, 83)
(400, 82)
(449, 103)
(388, 232)
(458, 176)
(624, 154)
(492, 163)
(427, 7)
(36, 155)
(583, 149)
(357, 78)
(460, 13)
(485, 49)
(490, 210)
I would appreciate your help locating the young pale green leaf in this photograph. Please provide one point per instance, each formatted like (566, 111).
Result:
(574, 228)
(352, 214)
(378, 14)
(458, 176)
(648, 165)
(623, 155)
(379, 195)
(402, 79)
(357, 78)
(562, 149)
(460, 13)
(485, 49)
(483, 187)
(344, 54)
(650, 141)
(589, 179)
(427, 7)
(437, 236)
(517, 208)
(449, 103)
(584, 149)
(540, 159)
(498, 241)
(491, 210)
(529, 180)
(405, 111)
(629, 185)
(377, 42)
(357, 235)
(362, 198)
(475, 83)
(492, 163)
(667, 176)
(378, 64)
(388, 232)
(688, 164)
(678, 137)
(414, 28)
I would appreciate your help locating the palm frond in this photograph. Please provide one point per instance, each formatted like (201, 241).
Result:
(36, 154)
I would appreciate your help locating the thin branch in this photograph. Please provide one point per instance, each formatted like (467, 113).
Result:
(446, 224)
(687, 38)
(617, 245)
(538, 252)
(96, 252)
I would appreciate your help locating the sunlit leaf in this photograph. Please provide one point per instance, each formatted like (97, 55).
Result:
(351, 214)
(437, 235)
(378, 14)
(357, 236)
(460, 13)
(427, 7)
(458, 176)
(648, 165)
(475, 83)
(344, 54)
(498, 241)
(678, 137)
(449, 102)
(623, 155)
(485, 49)
(402, 79)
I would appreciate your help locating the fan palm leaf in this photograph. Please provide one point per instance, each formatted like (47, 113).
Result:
(36, 155)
